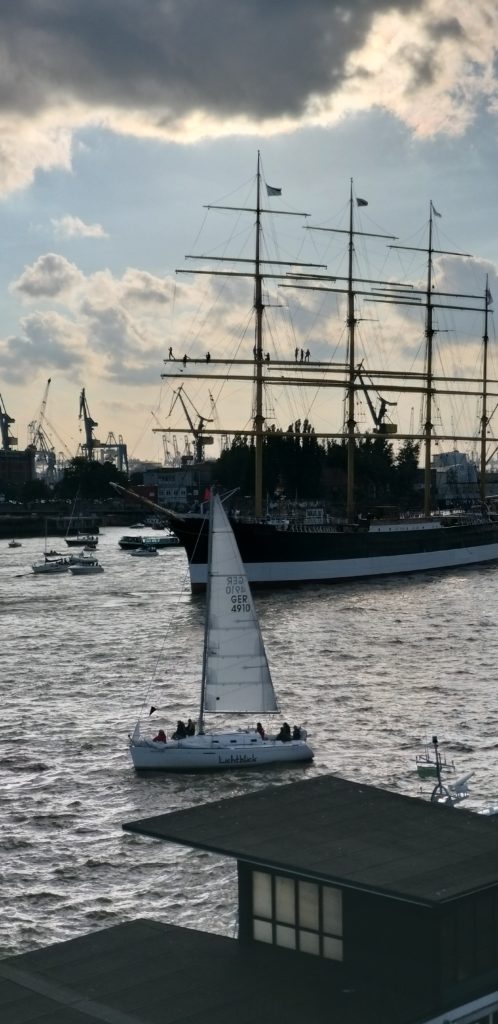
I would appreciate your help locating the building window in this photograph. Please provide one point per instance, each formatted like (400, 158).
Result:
(299, 915)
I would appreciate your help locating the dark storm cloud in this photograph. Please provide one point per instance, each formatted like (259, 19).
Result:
(449, 28)
(259, 58)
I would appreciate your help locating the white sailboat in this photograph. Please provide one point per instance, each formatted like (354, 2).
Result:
(235, 676)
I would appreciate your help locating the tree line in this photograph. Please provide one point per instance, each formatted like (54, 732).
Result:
(296, 465)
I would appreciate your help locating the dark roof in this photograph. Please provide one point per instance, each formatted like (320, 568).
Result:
(145, 972)
(347, 833)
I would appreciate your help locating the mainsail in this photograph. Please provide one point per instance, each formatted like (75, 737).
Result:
(237, 677)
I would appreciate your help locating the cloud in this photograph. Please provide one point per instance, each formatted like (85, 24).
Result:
(49, 277)
(186, 70)
(74, 227)
(140, 286)
(46, 341)
(111, 324)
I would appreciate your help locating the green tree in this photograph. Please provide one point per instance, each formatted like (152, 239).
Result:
(88, 480)
(408, 475)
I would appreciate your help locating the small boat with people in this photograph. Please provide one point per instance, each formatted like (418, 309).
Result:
(86, 540)
(86, 565)
(51, 566)
(15, 543)
(54, 563)
(132, 542)
(235, 680)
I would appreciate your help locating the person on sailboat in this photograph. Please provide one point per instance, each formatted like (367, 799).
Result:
(180, 731)
(259, 728)
(190, 730)
(296, 733)
(161, 737)
(285, 733)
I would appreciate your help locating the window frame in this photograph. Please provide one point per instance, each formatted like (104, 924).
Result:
(300, 929)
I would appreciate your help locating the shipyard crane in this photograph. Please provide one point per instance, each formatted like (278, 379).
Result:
(117, 449)
(91, 442)
(169, 459)
(8, 440)
(378, 417)
(200, 438)
(39, 440)
(36, 426)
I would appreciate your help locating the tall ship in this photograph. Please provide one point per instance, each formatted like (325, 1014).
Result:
(282, 551)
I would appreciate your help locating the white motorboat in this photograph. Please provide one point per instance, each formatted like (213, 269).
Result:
(146, 551)
(235, 678)
(85, 566)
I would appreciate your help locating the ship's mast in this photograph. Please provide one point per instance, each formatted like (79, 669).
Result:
(484, 415)
(351, 424)
(258, 356)
(429, 335)
(257, 274)
(351, 291)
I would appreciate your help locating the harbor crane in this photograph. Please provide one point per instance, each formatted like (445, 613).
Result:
(117, 449)
(172, 460)
(39, 440)
(378, 416)
(200, 438)
(91, 442)
(8, 440)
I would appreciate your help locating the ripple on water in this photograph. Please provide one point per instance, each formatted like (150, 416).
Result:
(373, 670)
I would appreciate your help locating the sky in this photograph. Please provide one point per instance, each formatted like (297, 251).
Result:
(121, 121)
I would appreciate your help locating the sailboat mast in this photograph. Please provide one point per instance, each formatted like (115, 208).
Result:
(258, 356)
(429, 334)
(484, 416)
(351, 362)
(200, 729)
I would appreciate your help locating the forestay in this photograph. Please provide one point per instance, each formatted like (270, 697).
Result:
(237, 676)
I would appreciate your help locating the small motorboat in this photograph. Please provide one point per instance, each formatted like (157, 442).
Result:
(15, 544)
(86, 567)
(147, 551)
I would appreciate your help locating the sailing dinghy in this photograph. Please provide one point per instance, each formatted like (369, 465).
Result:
(235, 675)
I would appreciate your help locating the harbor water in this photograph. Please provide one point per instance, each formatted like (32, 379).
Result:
(372, 669)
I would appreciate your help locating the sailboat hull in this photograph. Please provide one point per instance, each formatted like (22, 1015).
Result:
(216, 752)
(285, 557)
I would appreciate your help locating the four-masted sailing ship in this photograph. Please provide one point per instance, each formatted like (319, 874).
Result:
(284, 553)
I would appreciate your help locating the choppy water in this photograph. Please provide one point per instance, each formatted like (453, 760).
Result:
(371, 669)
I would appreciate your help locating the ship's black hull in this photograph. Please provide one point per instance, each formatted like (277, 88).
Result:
(275, 557)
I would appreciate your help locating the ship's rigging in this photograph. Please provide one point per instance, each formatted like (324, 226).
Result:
(344, 375)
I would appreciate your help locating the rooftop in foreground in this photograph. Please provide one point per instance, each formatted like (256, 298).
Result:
(347, 833)
(145, 972)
